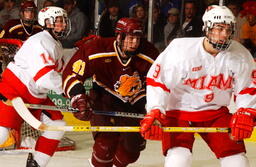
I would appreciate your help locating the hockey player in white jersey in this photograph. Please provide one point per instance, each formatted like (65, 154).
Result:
(35, 71)
(191, 84)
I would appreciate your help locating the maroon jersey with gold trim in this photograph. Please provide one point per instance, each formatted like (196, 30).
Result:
(17, 30)
(99, 59)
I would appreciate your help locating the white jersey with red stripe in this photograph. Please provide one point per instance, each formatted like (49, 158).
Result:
(38, 63)
(186, 78)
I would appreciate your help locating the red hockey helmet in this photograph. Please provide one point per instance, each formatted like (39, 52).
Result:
(129, 26)
(27, 5)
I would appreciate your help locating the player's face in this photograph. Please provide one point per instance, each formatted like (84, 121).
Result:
(220, 33)
(131, 43)
(28, 14)
(60, 24)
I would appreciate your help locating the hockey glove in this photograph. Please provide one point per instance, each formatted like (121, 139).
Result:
(149, 129)
(83, 104)
(242, 123)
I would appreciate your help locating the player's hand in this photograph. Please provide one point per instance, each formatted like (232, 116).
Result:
(242, 123)
(148, 128)
(83, 104)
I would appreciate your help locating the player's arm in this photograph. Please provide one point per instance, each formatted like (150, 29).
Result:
(10, 25)
(4, 31)
(159, 78)
(75, 73)
(45, 68)
(242, 121)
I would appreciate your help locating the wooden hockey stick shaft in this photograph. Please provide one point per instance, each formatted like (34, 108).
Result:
(46, 107)
(26, 115)
(133, 129)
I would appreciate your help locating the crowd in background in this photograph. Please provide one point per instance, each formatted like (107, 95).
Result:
(170, 18)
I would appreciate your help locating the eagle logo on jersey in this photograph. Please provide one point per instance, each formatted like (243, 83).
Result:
(128, 86)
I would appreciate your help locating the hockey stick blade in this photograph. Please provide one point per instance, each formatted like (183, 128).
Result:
(118, 114)
(16, 152)
(24, 113)
(45, 107)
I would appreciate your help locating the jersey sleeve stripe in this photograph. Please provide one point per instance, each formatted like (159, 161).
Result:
(2, 33)
(68, 79)
(152, 82)
(251, 91)
(144, 57)
(15, 27)
(99, 55)
(43, 71)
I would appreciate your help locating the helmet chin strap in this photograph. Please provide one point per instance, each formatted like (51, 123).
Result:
(59, 35)
(28, 22)
(54, 34)
(130, 53)
(219, 46)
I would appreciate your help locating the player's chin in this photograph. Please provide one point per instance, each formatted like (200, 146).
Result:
(221, 41)
(131, 49)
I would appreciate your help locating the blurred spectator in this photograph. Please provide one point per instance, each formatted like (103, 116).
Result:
(235, 8)
(79, 22)
(140, 13)
(48, 3)
(166, 5)
(40, 3)
(158, 28)
(25, 26)
(248, 33)
(10, 11)
(211, 2)
(109, 18)
(192, 24)
(172, 28)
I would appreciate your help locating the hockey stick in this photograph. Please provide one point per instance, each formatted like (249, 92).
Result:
(118, 114)
(133, 129)
(46, 107)
(22, 110)
(16, 151)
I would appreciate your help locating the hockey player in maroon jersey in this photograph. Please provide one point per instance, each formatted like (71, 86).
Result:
(25, 26)
(118, 66)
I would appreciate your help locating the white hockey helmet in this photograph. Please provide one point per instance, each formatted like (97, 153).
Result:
(218, 14)
(51, 13)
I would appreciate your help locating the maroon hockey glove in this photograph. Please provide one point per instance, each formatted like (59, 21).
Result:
(242, 123)
(83, 104)
(148, 128)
